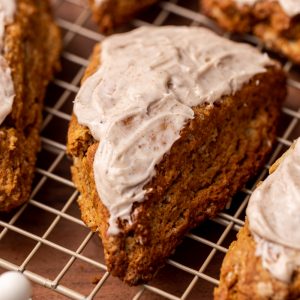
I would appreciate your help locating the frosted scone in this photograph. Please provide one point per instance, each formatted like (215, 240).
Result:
(276, 23)
(264, 263)
(111, 13)
(169, 123)
(29, 50)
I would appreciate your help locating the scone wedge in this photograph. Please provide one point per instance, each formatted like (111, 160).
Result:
(264, 262)
(31, 46)
(275, 23)
(156, 164)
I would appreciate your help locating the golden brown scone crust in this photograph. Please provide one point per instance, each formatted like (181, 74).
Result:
(219, 150)
(244, 278)
(111, 13)
(266, 19)
(32, 46)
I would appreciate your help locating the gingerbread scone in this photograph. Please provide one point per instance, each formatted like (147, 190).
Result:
(29, 52)
(111, 13)
(276, 23)
(264, 262)
(169, 123)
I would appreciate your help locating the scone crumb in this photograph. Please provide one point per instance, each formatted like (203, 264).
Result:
(264, 289)
(12, 143)
(230, 277)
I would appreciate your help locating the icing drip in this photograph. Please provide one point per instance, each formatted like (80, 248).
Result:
(7, 10)
(290, 7)
(279, 260)
(274, 218)
(142, 95)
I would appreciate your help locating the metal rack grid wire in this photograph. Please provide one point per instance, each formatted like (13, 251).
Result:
(45, 238)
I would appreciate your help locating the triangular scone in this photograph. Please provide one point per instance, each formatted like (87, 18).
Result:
(264, 262)
(223, 141)
(30, 45)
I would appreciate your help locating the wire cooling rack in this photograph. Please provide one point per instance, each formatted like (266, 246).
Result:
(45, 238)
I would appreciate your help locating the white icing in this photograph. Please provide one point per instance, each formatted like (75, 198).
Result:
(290, 7)
(246, 2)
(274, 217)
(142, 95)
(281, 261)
(7, 10)
(100, 2)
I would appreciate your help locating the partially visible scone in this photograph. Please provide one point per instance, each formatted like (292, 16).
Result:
(275, 23)
(243, 276)
(31, 51)
(111, 13)
(142, 187)
(264, 262)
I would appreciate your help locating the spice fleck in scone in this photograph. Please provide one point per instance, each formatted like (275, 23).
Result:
(264, 263)
(276, 23)
(111, 13)
(169, 123)
(30, 46)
